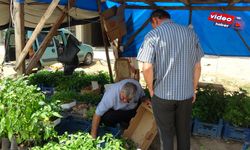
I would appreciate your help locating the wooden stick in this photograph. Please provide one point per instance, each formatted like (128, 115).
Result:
(174, 1)
(48, 38)
(19, 33)
(236, 8)
(130, 40)
(104, 37)
(37, 30)
(243, 40)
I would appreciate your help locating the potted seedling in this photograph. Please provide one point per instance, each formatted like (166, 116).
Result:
(208, 112)
(237, 116)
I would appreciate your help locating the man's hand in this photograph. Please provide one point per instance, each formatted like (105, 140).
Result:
(148, 76)
(197, 74)
(151, 92)
(194, 98)
(146, 100)
(95, 124)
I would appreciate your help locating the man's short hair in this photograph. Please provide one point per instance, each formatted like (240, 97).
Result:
(129, 89)
(159, 13)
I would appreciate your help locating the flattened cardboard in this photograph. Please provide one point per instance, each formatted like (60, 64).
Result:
(142, 129)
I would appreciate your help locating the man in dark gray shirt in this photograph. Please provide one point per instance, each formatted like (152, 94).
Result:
(171, 67)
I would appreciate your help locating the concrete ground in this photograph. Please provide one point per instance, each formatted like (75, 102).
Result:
(204, 143)
(230, 71)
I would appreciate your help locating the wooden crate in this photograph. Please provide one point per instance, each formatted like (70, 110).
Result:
(142, 129)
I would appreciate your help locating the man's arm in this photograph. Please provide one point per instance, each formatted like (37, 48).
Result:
(148, 76)
(95, 124)
(197, 73)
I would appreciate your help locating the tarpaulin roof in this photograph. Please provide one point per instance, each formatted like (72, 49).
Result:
(84, 11)
(215, 40)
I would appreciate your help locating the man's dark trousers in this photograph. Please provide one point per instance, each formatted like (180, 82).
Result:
(172, 117)
(112, 117)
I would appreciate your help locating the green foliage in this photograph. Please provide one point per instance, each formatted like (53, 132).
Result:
(146, 91)
(90, 112)
(129, 144)
(90, 98)
(210, 105)
(47, 78)
(238, 109)
(75, 82)
(65, 96)
(83, 141)
(24, 112)
(68, 96)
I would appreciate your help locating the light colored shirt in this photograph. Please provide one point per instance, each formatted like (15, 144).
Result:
(173, 50)
(111, 98)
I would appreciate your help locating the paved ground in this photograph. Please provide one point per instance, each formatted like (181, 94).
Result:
(204, 143)
(232, 71)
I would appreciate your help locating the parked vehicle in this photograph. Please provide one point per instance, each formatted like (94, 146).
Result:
(51, 53)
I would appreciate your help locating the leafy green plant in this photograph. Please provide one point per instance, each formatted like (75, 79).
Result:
(75, 82)
(26, 113)
(146, 91)
(65, 96)
(210, 105)
(129, 144)
(90, 98)
(46, 78)
(90, 112)
(68, 96)
(84, 141)
(237, 109)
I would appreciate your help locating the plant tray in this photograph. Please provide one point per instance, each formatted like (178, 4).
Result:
(48, 91)
(246, 146)
(236, 133)
(72, 125)
(68, 105)
(116, 132)
(57, 121)
(247, 136)
(207, 129)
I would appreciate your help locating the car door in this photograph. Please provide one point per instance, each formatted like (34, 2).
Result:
(50, 55)
(10, 47)
(81, 54)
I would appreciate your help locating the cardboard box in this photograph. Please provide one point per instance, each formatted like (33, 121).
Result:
(114, 11)
(122, 69)
(113, 18)
(118, 32)
(142, 129)
(113, 23)
(108, 13)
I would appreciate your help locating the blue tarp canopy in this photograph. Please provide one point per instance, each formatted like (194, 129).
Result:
(214, 40)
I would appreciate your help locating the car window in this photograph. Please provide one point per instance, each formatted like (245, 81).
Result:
(59, 39)
(40, 38)
(74, 39)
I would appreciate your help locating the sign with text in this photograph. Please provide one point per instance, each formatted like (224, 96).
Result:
(225, 20)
